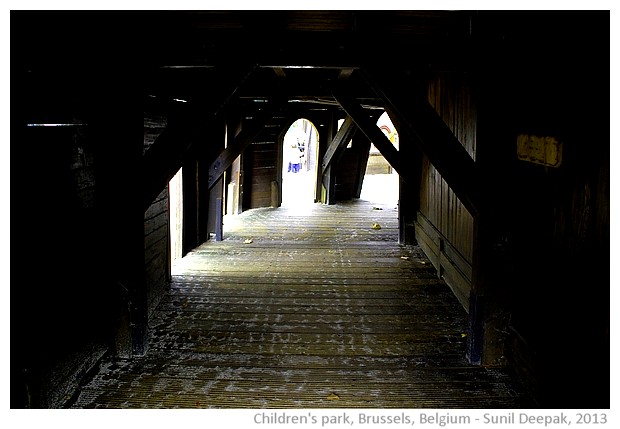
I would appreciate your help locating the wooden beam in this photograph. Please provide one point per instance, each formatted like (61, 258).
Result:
(419, 120)
(409, 191)
(329, 184)
(333, 153)
(364, 152)
(344, 74)
(185, 128)
(371, 130)
(279, 71)
(243, 140)
(340, 141)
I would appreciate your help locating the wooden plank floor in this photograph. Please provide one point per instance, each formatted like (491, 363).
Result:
(320, 310)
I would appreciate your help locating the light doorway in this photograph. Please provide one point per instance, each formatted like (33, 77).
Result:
(299, 164)
(381, 181)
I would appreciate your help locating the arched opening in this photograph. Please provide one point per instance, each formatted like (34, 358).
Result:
(381, 183)
(299, 164)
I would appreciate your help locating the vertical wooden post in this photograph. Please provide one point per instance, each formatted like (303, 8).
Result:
(210, 195)
(275, 193)
(218, 219)
(362, 144)
(406, 235)
(475, 339)
(323, 142)
(490, 302)
(408, 191)
(239, 188)
(216, 196)
(325, 139)
(489, 296)
(329, 184)
(202, 194)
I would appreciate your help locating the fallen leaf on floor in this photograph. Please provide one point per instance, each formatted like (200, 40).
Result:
(333, 397)
(463, 335)
(248, 241)
(376, 226)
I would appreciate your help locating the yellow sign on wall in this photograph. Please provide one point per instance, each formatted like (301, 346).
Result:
(539, 150)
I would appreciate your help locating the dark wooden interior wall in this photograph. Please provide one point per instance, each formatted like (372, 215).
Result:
(260, 170)
(157, 250)
(444, 226)
(156, 227)
(554, 229)
(558, 241)
(60, 332)
(451, 96)
(553, 225)
(60, 307)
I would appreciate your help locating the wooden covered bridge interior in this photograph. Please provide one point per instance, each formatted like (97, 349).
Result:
(487, 284)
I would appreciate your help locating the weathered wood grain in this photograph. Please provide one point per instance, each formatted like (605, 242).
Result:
(320, 310)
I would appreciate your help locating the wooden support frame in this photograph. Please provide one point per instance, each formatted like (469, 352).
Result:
(184, 129)
(339, 143)
(243, 140)
(370, 129)
(419, 120)
(363, 143)
(329, 186)
(409, 191)
(332, 154)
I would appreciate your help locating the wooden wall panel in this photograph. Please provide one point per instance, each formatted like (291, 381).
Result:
(557, 228)
(153, 127)
(451, 96)
(156, 249)
(260, 169)
(156, 227)
(59, 308)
